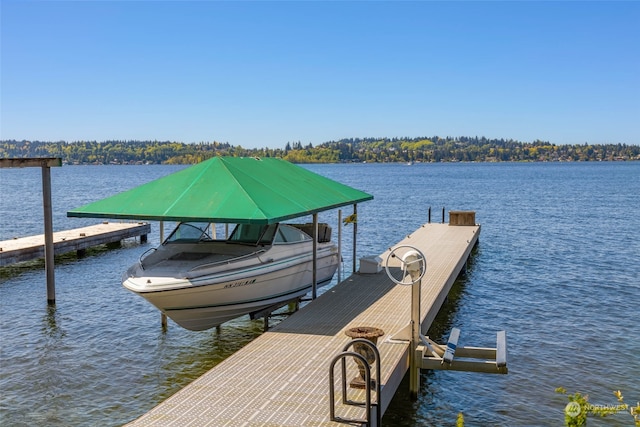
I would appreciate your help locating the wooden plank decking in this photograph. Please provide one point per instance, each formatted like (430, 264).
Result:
(79, 239)
(282, 377)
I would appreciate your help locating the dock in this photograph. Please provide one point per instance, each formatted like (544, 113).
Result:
(79, 239)
(282, 377)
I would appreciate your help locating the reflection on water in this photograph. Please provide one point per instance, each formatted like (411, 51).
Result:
(50, 326)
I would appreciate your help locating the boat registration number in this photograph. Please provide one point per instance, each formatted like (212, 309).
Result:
(238, 284)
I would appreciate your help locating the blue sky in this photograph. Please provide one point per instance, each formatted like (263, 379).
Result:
(261, 74)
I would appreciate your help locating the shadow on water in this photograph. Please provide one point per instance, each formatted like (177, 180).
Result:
(403, 411)
(179, 365)
(442, 324)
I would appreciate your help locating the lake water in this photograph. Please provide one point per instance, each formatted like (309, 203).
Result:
(557, 266)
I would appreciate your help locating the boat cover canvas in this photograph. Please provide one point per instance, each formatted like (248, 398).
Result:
(228, 190)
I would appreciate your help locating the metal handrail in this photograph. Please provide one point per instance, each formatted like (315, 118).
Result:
(332, 409)
(367, 403)
(142, 256)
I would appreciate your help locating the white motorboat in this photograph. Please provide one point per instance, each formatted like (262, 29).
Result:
(201, 282)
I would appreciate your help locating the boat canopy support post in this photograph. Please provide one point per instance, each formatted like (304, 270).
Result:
(163, 317)
(315, 256)
(355, 232)
(339, 245)
(45, 164)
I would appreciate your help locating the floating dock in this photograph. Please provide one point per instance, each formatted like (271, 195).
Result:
(79, 239)
(282, 377)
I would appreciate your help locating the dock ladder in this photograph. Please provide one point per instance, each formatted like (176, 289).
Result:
(369, 383)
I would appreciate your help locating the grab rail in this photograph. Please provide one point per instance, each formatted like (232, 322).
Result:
(142, 256)
(368, 405)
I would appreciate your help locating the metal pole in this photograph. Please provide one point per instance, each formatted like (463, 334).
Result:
(339, 245)
(48, 235)
(163, 317)
(314, 293)
(355, 232)
(414, 367)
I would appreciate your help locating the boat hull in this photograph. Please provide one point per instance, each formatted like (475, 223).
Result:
(204, 302)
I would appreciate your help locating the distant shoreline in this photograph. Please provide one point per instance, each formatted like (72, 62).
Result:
(370, 163)
(353, 150)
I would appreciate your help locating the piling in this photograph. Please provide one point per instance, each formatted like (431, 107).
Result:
(45, 164)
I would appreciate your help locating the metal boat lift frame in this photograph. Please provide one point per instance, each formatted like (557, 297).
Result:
(427, 354)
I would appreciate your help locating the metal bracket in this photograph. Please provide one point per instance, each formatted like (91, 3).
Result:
(470, 359)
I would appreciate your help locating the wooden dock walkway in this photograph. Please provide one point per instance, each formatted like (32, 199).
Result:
(282, 377)
(79, 239)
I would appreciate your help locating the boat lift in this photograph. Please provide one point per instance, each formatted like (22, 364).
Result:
(425, 353)
(406, 266)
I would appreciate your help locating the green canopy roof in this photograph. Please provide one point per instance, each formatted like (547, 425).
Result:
(228, 190)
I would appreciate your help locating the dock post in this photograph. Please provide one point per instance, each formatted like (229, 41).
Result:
(48, 235)
(45, 163)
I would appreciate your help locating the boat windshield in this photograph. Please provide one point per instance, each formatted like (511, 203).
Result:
(253, 234)
(190, 232)
(289, 234)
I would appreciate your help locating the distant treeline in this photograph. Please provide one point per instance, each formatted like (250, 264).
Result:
(371, 150)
